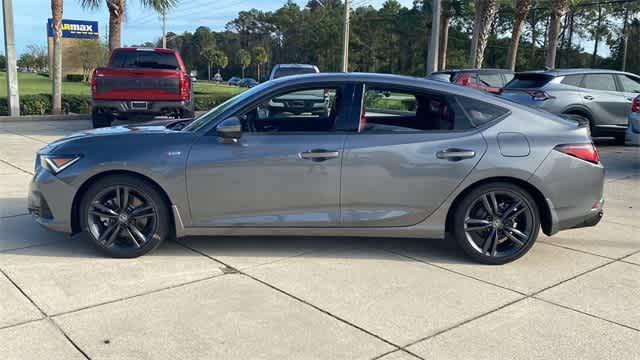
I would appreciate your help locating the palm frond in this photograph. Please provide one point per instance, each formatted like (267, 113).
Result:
(90, 4)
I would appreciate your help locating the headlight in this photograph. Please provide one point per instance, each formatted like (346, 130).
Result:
(56, 163)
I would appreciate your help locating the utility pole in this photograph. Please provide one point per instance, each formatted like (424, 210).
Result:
(164, 29)
(432, 60)
(345, 45)
(13, 97)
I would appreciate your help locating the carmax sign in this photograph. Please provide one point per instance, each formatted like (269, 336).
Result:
(77, 29)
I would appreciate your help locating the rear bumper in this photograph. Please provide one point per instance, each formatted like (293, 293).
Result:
(152, 107)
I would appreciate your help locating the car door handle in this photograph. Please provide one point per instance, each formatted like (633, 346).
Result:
(588, 97)
(319, 155)
(455, 154)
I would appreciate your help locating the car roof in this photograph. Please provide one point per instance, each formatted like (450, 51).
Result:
(481, 70)
(309, 66)
(574, 71)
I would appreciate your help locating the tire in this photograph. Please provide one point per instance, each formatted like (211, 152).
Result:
(473, 224)
(620, 139)
(100, 119)
(146, 222)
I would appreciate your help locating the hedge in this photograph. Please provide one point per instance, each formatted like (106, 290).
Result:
(75, 77)
(81, 104)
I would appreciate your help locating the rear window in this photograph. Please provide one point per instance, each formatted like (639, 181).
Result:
(493, 80)
(573, 80)
(528, 81)
(480, 112)
(282, 72)
(144, 60)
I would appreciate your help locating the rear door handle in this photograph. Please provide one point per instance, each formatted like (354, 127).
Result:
(453, 154)
(588, 97)
(319, 155)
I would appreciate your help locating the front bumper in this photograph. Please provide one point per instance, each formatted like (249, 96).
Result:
(50, 202)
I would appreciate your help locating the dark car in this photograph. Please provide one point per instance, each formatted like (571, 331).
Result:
(140, 83)
(396, 156)
(602, 98)
(247, 83)
(489, 80)
(234, 81)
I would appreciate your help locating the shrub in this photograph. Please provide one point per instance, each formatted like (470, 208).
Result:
(40, 104)
(75, 77)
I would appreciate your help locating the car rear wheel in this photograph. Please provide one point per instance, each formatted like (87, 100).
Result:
(101, 119)
(124, 216)
(496, 223)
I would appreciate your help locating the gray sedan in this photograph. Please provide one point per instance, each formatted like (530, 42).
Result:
(394, 156)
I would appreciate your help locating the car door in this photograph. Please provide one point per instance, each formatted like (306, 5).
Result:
(283, 171)
(398, 168)
(606, 103)
(630, 86)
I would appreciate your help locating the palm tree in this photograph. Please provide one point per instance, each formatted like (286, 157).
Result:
(209, 55)
(450, 8)
(260, 57)
(522, 8)
(56, 71)
(244, 59)
(485, 12)
(558, 9)
(116, 14)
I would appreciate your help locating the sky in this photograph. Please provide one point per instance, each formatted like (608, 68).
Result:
(30, 18)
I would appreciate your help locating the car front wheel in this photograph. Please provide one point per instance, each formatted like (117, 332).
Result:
(124, 216)
(496, 223)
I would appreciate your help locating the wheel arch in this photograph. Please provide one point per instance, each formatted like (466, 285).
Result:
(579, 110)
(77, 199)
(545, 212)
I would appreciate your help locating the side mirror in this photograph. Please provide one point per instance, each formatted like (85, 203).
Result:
(229, 131)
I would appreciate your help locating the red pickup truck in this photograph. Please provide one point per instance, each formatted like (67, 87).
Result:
(139, 84)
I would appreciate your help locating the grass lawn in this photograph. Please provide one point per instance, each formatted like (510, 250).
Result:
(29, 83)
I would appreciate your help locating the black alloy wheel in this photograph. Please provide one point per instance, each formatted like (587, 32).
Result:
(497, 223)
(124, 216)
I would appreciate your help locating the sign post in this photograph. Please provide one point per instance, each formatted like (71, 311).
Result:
(13, 96)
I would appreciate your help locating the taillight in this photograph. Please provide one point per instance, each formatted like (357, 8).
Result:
(538, 95)
(586, 151)
(185, 86)
(635, 105)
(463, 80)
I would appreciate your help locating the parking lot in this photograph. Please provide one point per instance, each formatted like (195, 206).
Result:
(574, 296)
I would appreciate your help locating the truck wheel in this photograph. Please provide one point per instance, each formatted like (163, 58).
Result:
(101, 119)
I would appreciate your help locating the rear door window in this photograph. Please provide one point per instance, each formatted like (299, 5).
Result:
(629, 84)
(491, 79)
(604, 82)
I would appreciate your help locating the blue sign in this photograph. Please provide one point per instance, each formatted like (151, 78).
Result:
(77, 29)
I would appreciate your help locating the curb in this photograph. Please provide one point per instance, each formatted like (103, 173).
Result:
(64, 117)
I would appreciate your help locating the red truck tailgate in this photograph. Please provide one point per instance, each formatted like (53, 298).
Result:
(137, 84)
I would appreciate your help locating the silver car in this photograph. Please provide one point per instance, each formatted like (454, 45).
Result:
(395, 156)
(601, 97)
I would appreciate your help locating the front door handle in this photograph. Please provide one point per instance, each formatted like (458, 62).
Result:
(319, 155)
(453, 154)
(588, 97)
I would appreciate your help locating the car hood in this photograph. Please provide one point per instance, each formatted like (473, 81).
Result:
(129, 130)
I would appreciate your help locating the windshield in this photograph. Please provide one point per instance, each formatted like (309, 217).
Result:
(206, 118)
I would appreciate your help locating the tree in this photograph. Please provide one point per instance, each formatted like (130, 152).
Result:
(522, 8)
(260, 57)
(559, 9)
(484, 13)
(450, 8)
(39, 55)
(220, 60)
(27, 61)
(117, 10)
(92, 54)
(208, 54)
(56, 72)
(244, 59)
(3, 62)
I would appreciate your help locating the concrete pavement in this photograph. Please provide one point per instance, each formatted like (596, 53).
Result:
(576, 295)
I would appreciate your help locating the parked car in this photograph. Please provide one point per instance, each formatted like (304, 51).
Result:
(633, 131)
(428, 158)
(489, 80)
(234, 81)
(308, 101)
(601, 97)
(217, 77)
(139, 84)
(282, 70)
(247, 83)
